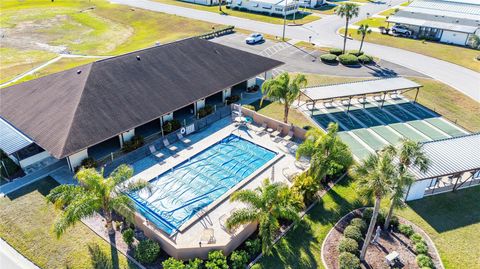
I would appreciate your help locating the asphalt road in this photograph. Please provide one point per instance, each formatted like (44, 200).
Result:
(307, 61)
(324, 32)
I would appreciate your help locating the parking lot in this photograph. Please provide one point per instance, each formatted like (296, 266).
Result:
(302, 60)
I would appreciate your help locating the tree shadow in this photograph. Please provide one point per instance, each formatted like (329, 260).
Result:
(43, 186)
(449, 211)
(100, 259)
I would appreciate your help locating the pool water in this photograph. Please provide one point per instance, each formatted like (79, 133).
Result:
(177, 195)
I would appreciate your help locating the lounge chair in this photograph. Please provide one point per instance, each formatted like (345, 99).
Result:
(289, 136)
(207, 237)
(277, 132)
(168, 146)
(155, 152)
(362, 100)
(262, 128)
(184, 140)
(394, 95)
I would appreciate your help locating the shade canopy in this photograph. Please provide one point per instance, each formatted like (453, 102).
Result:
(358, 88)
(11, 139)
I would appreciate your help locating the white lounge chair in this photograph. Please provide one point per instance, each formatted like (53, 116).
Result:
(262, 128)
(184, 140)
(289, 136)
(155, 152)
(208, 236)
(168, 146)
(277, 132)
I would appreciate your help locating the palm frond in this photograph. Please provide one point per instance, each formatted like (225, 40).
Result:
(240, 217)
(121, 174)
(83, 206)
(247, 196)
(123, 205)
(64, 194)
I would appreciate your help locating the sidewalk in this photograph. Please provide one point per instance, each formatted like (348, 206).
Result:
(11, 259)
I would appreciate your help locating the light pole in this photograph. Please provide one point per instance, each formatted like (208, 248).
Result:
(284, 20)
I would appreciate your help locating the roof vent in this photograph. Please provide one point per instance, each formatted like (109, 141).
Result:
(79, 71)
(138, 57)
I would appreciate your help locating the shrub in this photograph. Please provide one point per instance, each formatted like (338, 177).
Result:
(256, 266)
(416, 238)
(368, 213)
(133, 144)
(216, 260)
(194, 264)
(253, 246)
(421, 248)
(348, 261)
(365, 59)
(406, 230)
(147, 251)
(249, 107)
(424, 261)
(238, 259)
(232, 99)
(205, 111)
(171, 126)
(360, 224)
(394, 221)
(128, 236)
(336, 51)
(355, 52)
(328, 58)
(172, 263)
(89, 162)
(306, 186)
(353, 233)
(348, 245)
(348, 59)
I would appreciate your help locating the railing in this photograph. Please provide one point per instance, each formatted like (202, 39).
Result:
(225, 31)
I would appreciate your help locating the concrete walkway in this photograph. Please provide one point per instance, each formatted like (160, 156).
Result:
(11, 259)
(324, 33)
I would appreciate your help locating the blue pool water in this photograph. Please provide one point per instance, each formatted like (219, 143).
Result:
(179, 194)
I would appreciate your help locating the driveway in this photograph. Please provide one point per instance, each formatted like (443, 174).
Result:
(323, 32)
(11, 259)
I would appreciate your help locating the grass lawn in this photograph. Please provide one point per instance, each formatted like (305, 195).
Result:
(388, 12)
(454, 54)
(275, 110)
(373, 22)
(448, 102)
(37, 30)
(300, 19)
(328, 9)
(452, 220)
(26, 221)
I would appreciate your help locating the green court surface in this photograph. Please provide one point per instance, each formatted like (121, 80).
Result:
(369, 139)
(347, 121)
(427, 129)
(356, 148)
(387, 134)
(382, 115)
(448, 128)
(365, 118)
(406, 131)
(323, 120)
(422, 113)
(399, 113)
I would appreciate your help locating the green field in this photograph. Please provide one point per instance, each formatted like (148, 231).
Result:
(373, 22)
(26, 223)
(38, 30)
(299, 18)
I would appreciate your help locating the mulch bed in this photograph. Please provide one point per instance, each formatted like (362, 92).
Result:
(388, 242)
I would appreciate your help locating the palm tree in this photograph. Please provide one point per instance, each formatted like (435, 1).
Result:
(329, 155)
(348, 10)
(266, 205)
(363, 30)
(408, 153)
(284, 90)
(374, 175)
(95, 193)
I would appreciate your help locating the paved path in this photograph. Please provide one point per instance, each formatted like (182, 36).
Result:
(324, 32)
(11, 259)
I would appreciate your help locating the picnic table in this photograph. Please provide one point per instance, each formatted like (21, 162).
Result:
(392, 258)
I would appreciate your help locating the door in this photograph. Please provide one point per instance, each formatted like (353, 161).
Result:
(454, 38)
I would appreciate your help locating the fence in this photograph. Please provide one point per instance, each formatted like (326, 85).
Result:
(225, 31)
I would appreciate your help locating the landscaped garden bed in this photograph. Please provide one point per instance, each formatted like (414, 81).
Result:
(414, 247)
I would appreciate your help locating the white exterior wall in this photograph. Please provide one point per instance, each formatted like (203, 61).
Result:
(259, 6)
(127, 136)
(456, 38)
(198, 105)
(167, 117)
(76, 159)
(310, 3)
(202, 2)
(34, 159)
(226, 93)
(251, 82)
(268, 75)
(417, 190)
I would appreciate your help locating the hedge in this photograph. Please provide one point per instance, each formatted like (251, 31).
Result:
(421, 248)
(147, 251)
(348, 245)
(238, 259)
(424, 261)
(328, 58)
(416, 238)
(406, 230)
(365, 59)
(367, 215)
(355, 52)
(348, 59)
(353, 233)
(348, 261)
(336, 51)
(359, 223)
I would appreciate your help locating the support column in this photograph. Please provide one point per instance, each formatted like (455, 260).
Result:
(349, 103)
(416, 95)
(383, 100)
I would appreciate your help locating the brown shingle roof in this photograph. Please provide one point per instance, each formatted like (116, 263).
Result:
(71, 110)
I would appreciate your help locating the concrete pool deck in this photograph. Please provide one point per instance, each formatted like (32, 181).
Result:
(185, 243)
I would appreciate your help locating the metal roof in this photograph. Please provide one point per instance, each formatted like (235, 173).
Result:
(450, 156)
(461, 7)
(432, 24)
(359, 88)
(12, 140)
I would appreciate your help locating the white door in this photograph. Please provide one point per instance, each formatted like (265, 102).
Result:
(454, 38)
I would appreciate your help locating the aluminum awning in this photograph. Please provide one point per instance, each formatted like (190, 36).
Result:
(11, 139)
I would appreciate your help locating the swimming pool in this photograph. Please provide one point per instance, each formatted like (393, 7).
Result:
(177, 195)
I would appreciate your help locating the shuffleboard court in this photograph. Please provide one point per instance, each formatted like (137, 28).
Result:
(427, 129)
(422, 113)
(399, 113)
(370, 139)
(323, 120)
(365, 118)
(445, 126)
(387, 134)
(347, 121)
(357, 149)
(407, 132)
(382, 115)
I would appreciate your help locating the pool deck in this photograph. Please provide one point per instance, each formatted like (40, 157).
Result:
(185, 243)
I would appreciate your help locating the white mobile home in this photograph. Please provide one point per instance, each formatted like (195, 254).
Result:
(202, 2)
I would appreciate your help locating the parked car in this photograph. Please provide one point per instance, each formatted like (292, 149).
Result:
(402, 30)
(254, 38)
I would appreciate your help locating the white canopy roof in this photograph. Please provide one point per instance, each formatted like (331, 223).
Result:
(359, 88)
(450, 156)
(12, 140)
